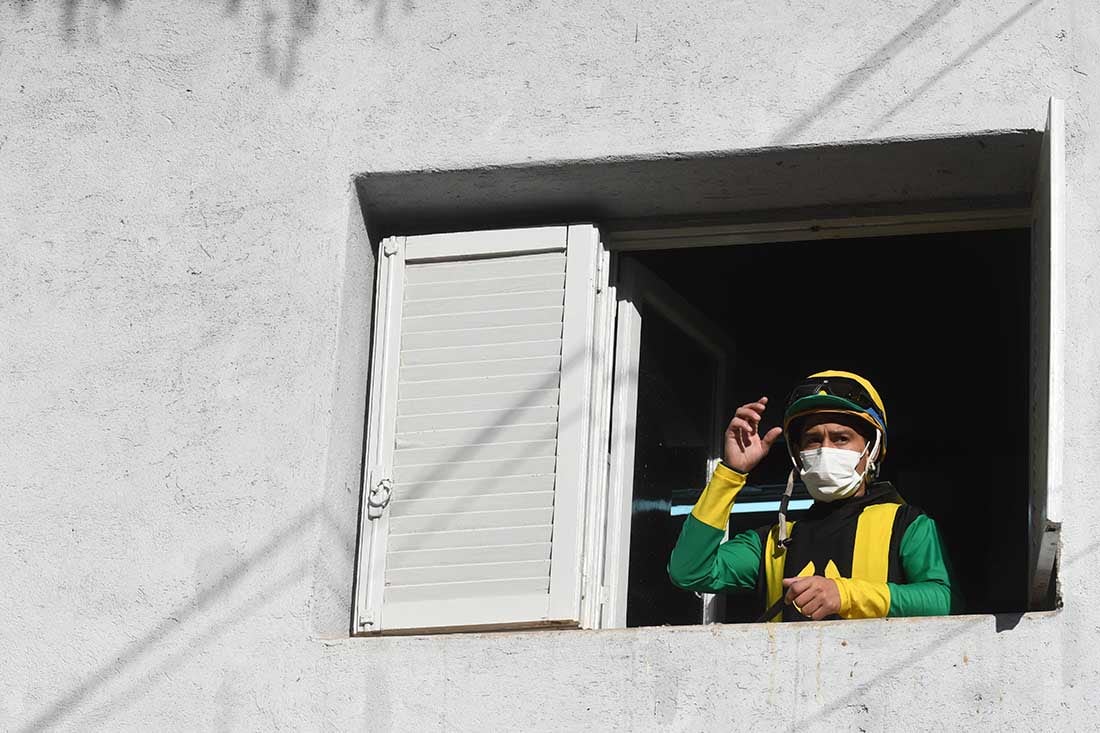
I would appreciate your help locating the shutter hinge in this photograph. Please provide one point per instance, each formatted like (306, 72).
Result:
(604, 595)
(390, 246)
(599, 270)
(379, 496)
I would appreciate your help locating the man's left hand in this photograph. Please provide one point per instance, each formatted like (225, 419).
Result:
(813, 596)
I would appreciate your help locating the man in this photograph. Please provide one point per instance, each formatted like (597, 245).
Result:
(860, 552)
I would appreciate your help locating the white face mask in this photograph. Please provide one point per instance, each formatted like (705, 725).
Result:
(830, 473)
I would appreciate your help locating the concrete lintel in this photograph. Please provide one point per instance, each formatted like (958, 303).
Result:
(992, 168)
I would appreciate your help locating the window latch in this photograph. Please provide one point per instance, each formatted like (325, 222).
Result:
(379, 497)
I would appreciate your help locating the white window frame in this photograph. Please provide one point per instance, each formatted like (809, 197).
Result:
(601, 591)
(1048, 325)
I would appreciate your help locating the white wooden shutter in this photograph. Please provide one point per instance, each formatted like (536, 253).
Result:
(476, 435)
(1047, 392)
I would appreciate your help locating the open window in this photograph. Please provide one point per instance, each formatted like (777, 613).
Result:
(956, 318)
(545, 404)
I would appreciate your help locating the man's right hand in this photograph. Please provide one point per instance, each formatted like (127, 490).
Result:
(744, 446)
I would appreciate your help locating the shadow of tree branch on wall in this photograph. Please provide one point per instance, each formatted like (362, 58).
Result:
(283, 25)
(73, 6)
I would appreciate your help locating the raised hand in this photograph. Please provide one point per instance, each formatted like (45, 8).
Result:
(745, 447)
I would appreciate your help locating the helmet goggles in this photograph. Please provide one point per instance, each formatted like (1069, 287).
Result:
(842, 387)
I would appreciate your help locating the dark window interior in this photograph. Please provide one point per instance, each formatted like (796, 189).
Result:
(938, 322)
(672, 444)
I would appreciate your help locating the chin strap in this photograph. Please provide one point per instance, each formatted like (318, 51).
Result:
(782, 540)
(871, 472)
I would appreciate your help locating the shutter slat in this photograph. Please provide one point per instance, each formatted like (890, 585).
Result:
(482, 385)
(459, 370)
(503, 268)
(490, 319)
(478, 419)
(478, 469)
(484, 303)
(480, 503)
(470, 538)
(477, 436)
(497, 286)
(481, 336)
(470, 520)
(491, 352)
(480, 403)
(468, 555)
(476, 487)
(488, 352)
(481, 452)
(477, 589)
(396, 577)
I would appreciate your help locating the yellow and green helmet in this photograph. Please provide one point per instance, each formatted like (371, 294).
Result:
(846, 393)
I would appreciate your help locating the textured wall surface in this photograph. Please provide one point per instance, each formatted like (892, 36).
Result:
(174, 221)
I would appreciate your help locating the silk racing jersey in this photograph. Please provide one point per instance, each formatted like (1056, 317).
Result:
(886, 556)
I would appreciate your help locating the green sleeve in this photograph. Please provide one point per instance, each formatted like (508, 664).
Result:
(701, 561)
(929, 591)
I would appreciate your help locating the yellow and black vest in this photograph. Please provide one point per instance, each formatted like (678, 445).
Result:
(855, 538)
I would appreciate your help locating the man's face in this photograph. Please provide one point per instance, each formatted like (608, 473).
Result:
(832, 431)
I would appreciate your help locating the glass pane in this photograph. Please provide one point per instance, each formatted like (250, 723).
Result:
(675, 419)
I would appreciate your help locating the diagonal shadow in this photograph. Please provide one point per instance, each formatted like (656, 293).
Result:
(902, 664)
(142, 647)
(868, 68)
(1008, 619)
(482, 440)
(953, 64)
(239, 614)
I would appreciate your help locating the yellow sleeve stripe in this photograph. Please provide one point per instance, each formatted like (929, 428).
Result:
(713, 507)
(863, 598)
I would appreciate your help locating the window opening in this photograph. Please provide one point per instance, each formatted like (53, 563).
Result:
(958, 303)
(938, 321)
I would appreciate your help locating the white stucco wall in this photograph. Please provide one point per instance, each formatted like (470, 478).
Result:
(174, 222)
